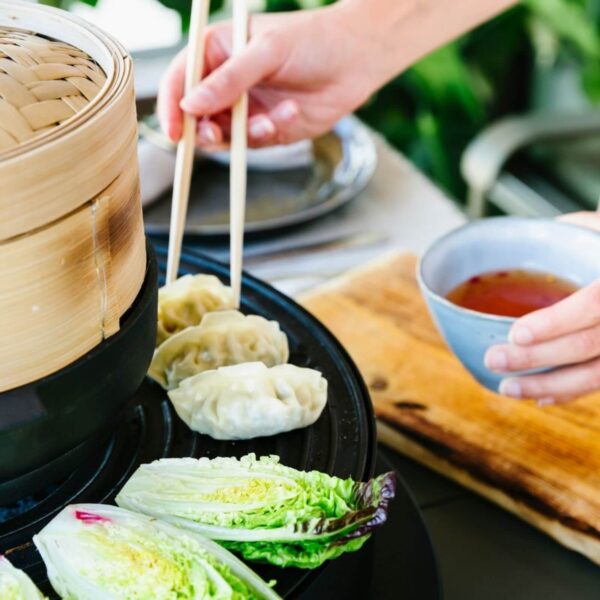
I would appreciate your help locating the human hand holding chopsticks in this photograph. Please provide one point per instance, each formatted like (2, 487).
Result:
(305, 70)
(279, 82)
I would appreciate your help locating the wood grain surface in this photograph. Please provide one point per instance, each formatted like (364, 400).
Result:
(542, 464)
(65, 287)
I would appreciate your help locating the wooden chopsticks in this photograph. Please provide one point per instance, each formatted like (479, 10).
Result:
(186, 147)
(238, 164)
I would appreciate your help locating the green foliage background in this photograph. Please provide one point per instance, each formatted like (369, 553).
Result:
(431, 111)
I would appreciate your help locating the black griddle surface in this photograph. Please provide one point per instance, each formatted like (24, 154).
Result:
(342, 442)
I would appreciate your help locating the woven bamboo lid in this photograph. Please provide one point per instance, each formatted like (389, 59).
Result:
(43, 83)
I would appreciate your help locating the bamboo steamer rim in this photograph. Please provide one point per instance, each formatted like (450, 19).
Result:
(96, 135)
(70, 29)
(43, 84)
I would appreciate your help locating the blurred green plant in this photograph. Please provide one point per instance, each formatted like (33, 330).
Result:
(434, 109)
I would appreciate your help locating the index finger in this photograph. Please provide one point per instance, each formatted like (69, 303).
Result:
(172, 85)
(170, 94)
(579, 311)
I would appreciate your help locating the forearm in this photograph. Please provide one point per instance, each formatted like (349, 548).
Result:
(397, 33)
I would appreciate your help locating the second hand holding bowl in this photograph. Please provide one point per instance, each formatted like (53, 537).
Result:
(499, 244)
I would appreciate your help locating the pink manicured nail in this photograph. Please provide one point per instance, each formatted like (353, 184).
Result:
(286, 111)
(199, 100)
(496, 360)
(510, 388)
(172, 129)
(206, 135)
(520, 334)
(171, 133)
(261, 127)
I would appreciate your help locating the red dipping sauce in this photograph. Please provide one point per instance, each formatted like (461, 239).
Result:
(511, 293)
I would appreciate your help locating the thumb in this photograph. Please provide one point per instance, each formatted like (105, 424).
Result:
(591, 220)
(222, 88)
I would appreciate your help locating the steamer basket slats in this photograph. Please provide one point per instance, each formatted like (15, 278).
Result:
(72, 249)
(57, 182)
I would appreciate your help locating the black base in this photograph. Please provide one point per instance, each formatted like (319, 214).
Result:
(44, 424)
(53, 471)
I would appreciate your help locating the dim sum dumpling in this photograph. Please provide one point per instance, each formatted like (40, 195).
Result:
(222, 338)
(250, 400)
(184, 302)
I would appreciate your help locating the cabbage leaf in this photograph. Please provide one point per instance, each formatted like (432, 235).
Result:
(15, 584)
(100, 552)
(260, 508)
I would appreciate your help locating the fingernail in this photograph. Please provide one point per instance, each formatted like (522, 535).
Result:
(261, 127)
(200, 100)
(206, 135)
(520, 335)
(286, 111)
(496, 360)
(171, 129)
(549, 401)
(511, 388)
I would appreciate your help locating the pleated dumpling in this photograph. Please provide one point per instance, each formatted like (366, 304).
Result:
(250, 400)
(184, 302)
(222, 338)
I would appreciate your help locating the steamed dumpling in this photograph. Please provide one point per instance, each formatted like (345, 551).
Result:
(250, 400)
(184, 302)
(222, 338)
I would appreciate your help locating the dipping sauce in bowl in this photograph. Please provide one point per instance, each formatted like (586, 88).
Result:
(511, 293)
(479, 279)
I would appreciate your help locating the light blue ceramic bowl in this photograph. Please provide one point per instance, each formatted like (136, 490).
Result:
(495, 244)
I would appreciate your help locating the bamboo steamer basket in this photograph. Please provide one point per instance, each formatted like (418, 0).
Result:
(72, 249)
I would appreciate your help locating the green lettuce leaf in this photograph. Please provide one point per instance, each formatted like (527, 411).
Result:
(15, 584)
(260, 508)
(307, 555)
(100, 552)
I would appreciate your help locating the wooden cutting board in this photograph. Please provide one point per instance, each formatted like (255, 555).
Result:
(542, 464)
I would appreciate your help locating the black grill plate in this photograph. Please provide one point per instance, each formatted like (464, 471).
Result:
(342, 442)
